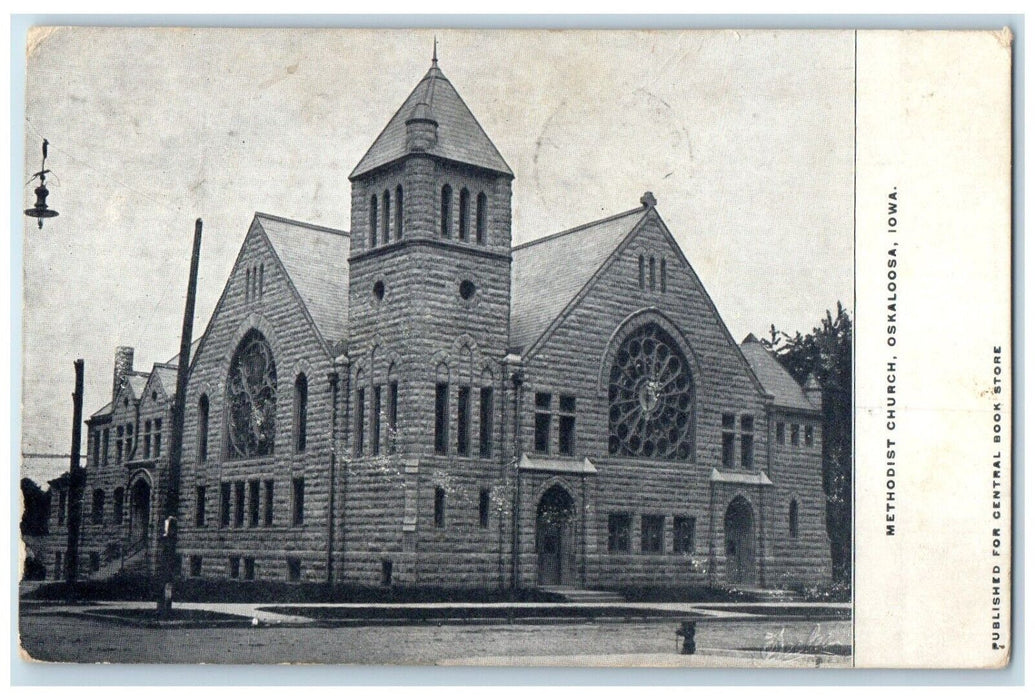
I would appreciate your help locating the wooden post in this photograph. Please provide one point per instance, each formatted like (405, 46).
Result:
(76, 480)
(167, 548)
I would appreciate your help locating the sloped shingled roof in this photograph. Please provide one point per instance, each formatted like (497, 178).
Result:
(460, 136)
(317, 261)
(548, 273)
(166, 375)
(775, 379)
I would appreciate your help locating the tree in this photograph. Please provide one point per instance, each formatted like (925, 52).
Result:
(826, 353)
(36, 508)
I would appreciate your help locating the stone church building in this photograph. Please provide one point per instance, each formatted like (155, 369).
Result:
(416, 401)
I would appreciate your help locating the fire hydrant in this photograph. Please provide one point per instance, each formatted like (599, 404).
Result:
(687, 630)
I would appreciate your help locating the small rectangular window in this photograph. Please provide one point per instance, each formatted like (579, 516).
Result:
(386, 572)
(235, 567)
(361, 419)
(566, 425)
(441, 419)
(485, 422)
(195, 565)
(747, 442)
(808, 436)
(199, 506)
(440, 507)
(652, 534)
(683, 534)
(463, 420)
(224, 504)
(253, 503)
(104, 447)
(779, 433)
(375, 422)
(158, 438)
(238, 504)
(294, 569)
(795, 439)
(618, 527)
(542, 422)
(95, 561)
(62, 506)
(249, 568)
(298, 500)
(728, 440)
(268, 511)
(483, 508)
(729, 424)
(147, 439)
(59, 565)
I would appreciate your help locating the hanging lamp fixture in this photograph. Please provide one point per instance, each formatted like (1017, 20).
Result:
(41, 211)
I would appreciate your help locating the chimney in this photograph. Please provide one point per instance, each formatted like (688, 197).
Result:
(123, 367)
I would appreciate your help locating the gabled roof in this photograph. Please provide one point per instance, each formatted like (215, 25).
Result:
(776, 380)
(102, 411)
(166, 374)
(317, 261)
(174, 361)
(546, 274)
(137, 381)
(460, 136)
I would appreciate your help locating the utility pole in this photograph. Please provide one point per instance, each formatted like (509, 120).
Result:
(167, 548)
(76, 479)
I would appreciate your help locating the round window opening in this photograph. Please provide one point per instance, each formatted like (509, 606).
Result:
(467, 289)
(379, 290)
(651, 397)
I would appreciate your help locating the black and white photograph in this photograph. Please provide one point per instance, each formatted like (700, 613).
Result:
(438, 347)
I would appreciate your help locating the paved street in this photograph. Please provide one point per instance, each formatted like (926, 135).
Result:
(51, 634)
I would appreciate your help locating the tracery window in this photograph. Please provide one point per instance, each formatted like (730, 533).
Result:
(651, 397)
(251, 396)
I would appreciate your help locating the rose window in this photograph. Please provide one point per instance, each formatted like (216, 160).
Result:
(251, 391)
(650, 397)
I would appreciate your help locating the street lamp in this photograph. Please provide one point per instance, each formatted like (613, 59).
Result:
(40, 211)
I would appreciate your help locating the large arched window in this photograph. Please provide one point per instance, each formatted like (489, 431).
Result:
(203, 428)
(447, 211)
(465, 206)
(651, 398)
(251, 399)
(301, 411)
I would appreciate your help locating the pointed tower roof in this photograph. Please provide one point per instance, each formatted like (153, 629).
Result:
(460, 137)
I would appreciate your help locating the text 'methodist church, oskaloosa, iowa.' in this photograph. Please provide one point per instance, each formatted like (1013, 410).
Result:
(417, 402)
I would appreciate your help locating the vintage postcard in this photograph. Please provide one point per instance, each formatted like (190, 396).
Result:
(517, 348)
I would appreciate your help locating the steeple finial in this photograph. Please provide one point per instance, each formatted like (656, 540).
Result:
(434, 52)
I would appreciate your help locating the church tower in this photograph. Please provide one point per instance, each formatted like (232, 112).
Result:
(429, 296)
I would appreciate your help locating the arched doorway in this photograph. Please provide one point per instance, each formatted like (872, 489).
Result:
(554, 538)
(139, 512)
(739, 526)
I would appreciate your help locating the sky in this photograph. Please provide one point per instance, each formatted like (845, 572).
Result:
(745, 138)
